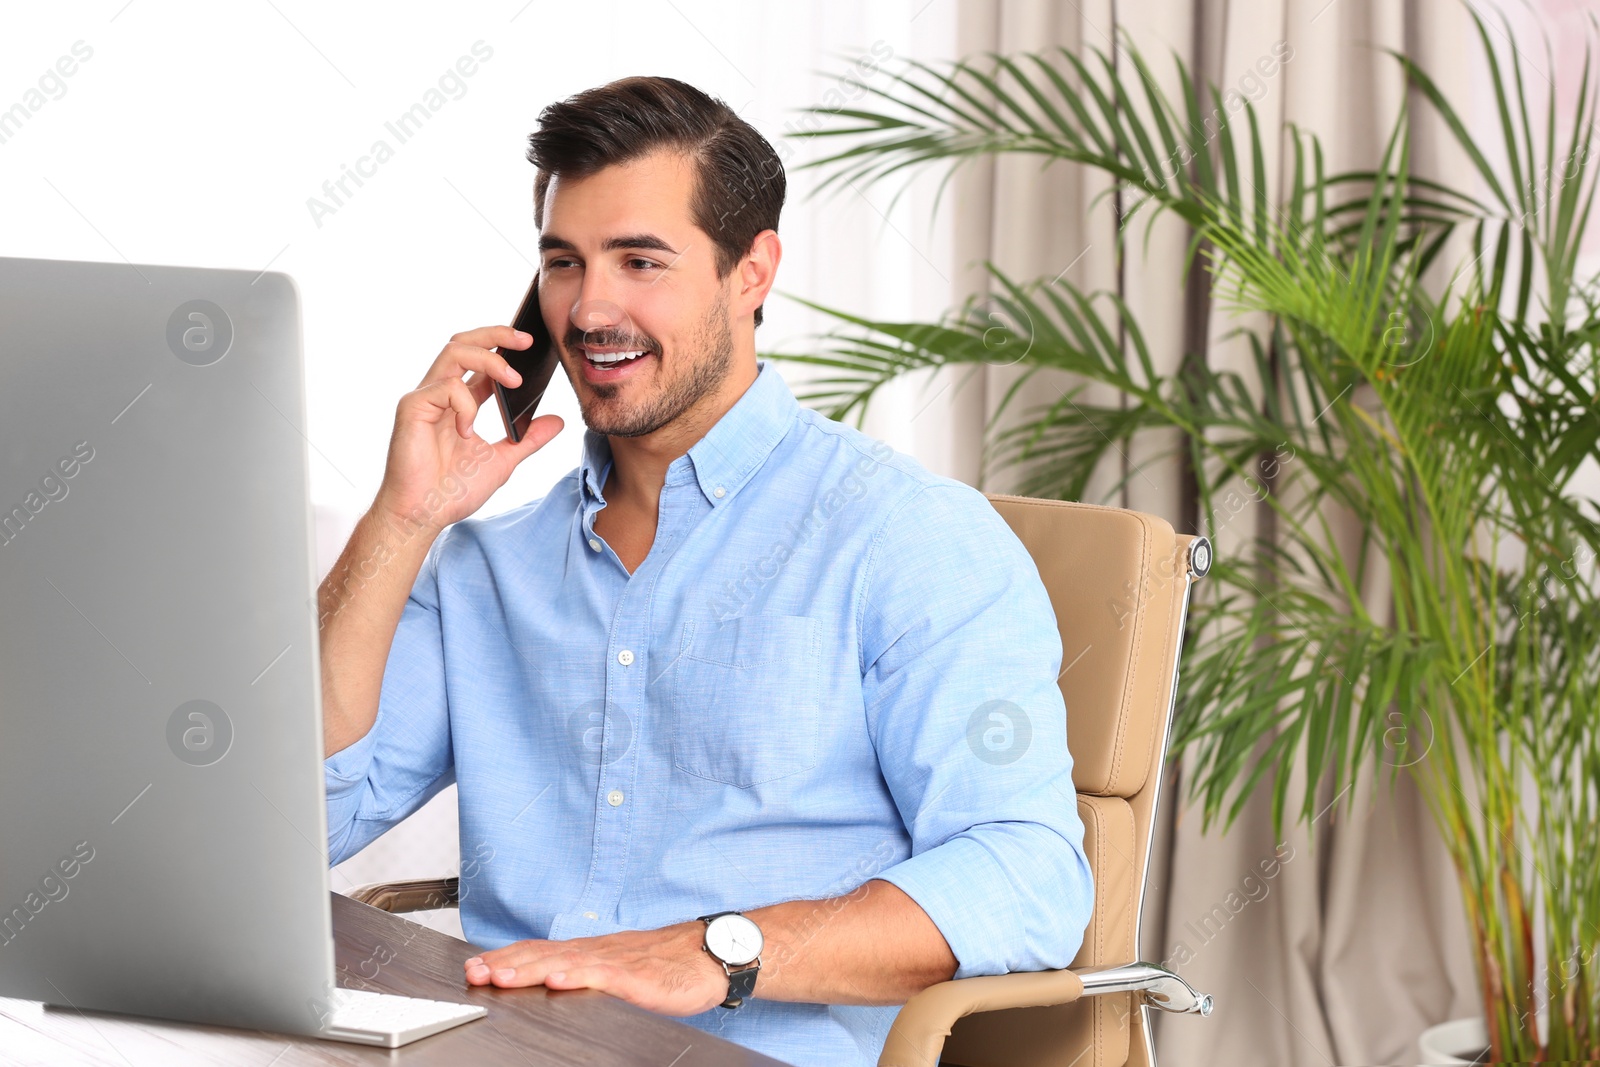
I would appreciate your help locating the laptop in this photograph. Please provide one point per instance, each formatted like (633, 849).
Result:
(162, 817)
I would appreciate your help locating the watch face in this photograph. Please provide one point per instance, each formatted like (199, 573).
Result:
(733, 939)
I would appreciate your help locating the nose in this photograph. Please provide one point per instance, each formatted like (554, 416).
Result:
(597, 314)
(593, 309)
(603, 323)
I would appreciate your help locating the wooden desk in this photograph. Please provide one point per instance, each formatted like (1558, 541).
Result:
(390, 954)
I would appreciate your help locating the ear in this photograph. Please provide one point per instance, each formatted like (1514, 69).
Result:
(756, 272)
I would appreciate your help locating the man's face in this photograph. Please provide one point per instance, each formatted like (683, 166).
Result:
(624, 269)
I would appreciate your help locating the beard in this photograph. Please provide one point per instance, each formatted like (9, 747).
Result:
(604, 412)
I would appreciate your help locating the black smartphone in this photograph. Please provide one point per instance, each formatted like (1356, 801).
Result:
(536, 364)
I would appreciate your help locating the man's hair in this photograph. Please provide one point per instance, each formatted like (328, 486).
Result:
(738, 179)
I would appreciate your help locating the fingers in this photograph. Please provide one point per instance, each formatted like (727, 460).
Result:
(450, 396)
(524, 964)
(599, 976)
(487, 336)
(480, 385)
(556, 973)
(646, 968)
(462, 399)
(470, 351)
(539, 432)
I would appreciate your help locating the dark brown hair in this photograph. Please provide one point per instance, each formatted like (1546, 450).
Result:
(739, 179)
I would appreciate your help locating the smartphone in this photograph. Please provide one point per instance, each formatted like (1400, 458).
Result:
(536, 364)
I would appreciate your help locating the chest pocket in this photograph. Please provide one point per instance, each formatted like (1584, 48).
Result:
(744, 699)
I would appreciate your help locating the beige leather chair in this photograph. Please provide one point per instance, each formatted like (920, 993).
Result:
(1120, 582)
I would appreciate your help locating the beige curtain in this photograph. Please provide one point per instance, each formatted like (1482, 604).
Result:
(1355, 943)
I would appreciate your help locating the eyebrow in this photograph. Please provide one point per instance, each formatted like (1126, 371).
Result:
(549, 241)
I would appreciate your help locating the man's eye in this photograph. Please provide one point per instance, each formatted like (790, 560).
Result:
(563, 262)
(648, 264)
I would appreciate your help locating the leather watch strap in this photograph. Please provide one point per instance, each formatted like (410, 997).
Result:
(741, 984)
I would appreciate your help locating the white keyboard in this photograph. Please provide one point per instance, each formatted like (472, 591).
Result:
(390, 1021)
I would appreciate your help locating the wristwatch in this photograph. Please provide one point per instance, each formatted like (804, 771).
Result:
(734, 940)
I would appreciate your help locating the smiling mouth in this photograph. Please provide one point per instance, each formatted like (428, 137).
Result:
(611, 357)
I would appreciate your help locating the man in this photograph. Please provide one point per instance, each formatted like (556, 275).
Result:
(744, 659)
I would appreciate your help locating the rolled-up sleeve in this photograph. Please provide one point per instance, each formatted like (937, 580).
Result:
(406, 758)
(960, 657)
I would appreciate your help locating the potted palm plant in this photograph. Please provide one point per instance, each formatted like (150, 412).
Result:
(1449, 419)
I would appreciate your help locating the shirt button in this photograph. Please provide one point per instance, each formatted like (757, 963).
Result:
(614, 797)
(719, 491)
(594, 543)
(625, 657)
(590, 915)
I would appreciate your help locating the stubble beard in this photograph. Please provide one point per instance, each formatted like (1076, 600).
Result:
(714, 338)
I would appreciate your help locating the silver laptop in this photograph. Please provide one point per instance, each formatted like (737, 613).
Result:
(162, 819)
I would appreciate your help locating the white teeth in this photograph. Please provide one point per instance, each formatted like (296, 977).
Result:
(612, 357)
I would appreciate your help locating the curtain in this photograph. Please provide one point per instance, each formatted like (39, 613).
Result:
(1355, 943)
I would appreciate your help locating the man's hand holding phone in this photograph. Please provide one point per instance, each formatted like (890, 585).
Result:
(439, 470)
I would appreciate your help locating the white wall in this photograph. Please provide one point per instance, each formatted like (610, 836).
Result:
(195, 133)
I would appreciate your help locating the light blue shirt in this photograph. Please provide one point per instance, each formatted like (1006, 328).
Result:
(832, 666)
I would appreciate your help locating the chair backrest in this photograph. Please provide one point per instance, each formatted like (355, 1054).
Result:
(1119, 583)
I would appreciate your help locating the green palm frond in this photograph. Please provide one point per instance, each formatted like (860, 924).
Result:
(1450, 424)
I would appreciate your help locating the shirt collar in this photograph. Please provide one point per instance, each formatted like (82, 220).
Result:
(731, 451)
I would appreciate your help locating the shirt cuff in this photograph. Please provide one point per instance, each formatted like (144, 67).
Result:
(966, 895)
(346, 770)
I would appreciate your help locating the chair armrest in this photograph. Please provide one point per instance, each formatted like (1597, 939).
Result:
(1161, 988)
(423, 894)
(919, 1031)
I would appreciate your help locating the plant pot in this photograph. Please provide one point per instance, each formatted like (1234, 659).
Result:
(1460, 1041)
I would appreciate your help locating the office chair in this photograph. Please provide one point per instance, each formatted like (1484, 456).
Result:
(1120, 583)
